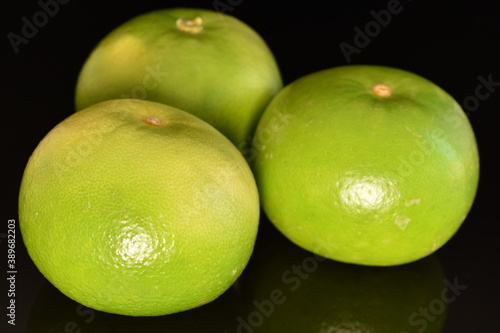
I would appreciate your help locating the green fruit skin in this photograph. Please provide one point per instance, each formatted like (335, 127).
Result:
(226, 75)
(305, 159)
(76, 182)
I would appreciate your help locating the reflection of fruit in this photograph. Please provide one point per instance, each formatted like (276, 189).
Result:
(366, 164)
(207, 63)
(134, 207)
(291, 290)
(54, 312)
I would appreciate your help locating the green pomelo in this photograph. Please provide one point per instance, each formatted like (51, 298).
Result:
(206, 63)
(366, 164)
(137, 208)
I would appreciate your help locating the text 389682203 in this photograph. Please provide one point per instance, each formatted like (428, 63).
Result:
(11, 271)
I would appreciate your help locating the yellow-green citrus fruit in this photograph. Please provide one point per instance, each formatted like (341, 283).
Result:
(366, 164)
(207, 63)
(292, 290)
(137, 208)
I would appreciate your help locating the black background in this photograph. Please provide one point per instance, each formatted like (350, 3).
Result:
(452, 44)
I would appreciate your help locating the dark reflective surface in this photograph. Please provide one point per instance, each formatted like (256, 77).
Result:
(289, 289)
(284, 289)
(54, 312)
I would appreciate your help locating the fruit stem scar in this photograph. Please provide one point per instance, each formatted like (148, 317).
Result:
(153, 121)
(194, 26)
(382, 90)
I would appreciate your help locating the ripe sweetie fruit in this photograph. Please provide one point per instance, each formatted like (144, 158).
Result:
(366, 164)
(209, 64)
(137, 208)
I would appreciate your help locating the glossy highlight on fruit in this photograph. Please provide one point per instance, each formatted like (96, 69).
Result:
(209, 64)
(136, 208)
(366, 164)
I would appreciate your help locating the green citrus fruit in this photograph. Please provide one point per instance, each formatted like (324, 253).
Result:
(137, 208)
(366, 164)
(206, 63)
(292, 290)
